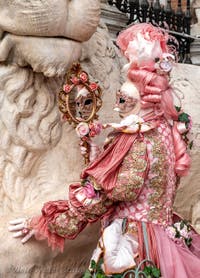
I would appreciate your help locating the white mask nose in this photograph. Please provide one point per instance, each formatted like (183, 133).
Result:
(117, 109)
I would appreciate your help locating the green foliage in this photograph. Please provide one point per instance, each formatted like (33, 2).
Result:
(100, 275)
(178, 235)
(188, 241)
(97, 272)
(152, 271)
(93, 265)
(156, 272)
(182, 225)
(87, 274)
(184, 118)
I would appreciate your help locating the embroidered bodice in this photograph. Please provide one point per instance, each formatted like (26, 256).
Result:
(154, 203)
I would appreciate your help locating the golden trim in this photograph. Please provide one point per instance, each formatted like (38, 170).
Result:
(63, 97)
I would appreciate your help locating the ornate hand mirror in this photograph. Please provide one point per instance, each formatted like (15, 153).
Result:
(79, 100)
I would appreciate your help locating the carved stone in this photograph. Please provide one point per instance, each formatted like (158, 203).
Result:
(39, 154)
(113, 18)
(185, 78)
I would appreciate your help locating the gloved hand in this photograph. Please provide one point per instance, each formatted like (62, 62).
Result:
(21, 228)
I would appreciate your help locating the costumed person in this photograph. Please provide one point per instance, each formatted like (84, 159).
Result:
(131, 185)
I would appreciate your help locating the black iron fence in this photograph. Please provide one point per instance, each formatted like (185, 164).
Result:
(178, 21)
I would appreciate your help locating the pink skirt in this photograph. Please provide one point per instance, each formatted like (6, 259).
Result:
(177, 261)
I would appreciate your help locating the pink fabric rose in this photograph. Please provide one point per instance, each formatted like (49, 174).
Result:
(82, 129)
(67, 88)
(95, 129)
(89, 190)
(181, 127)
(94, 86)
(83, 77)
(171, 231)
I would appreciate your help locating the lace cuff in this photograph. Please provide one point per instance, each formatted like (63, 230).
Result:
(57, 222)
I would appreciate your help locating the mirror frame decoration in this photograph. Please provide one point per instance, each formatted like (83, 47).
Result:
(76, 77)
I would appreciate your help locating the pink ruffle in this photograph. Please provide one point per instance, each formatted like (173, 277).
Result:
(50, 211)
(40, 225)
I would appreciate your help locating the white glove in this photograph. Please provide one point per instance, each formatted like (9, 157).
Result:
(21, 228)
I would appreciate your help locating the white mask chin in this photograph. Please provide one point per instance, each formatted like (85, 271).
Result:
(117, 109)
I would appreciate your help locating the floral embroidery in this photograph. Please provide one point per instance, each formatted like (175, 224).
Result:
(154, 202)
(98, 208)
(158, 173)
(131, 175)
(64, 225)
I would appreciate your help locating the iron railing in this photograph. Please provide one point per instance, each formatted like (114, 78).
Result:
(176, 21)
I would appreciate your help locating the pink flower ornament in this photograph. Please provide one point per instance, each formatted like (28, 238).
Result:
(89, 190)
(82, 129)
(93, 86)
(165, 64)
(83, 77)
(171, 231)
(95, 129)
(67, 88)
(180, 232)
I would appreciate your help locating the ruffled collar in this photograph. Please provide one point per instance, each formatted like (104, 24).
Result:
(133, 124)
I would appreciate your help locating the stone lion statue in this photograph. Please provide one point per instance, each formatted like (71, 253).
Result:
(39, 154)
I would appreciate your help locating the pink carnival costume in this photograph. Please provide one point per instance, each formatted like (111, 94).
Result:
(132, 184)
